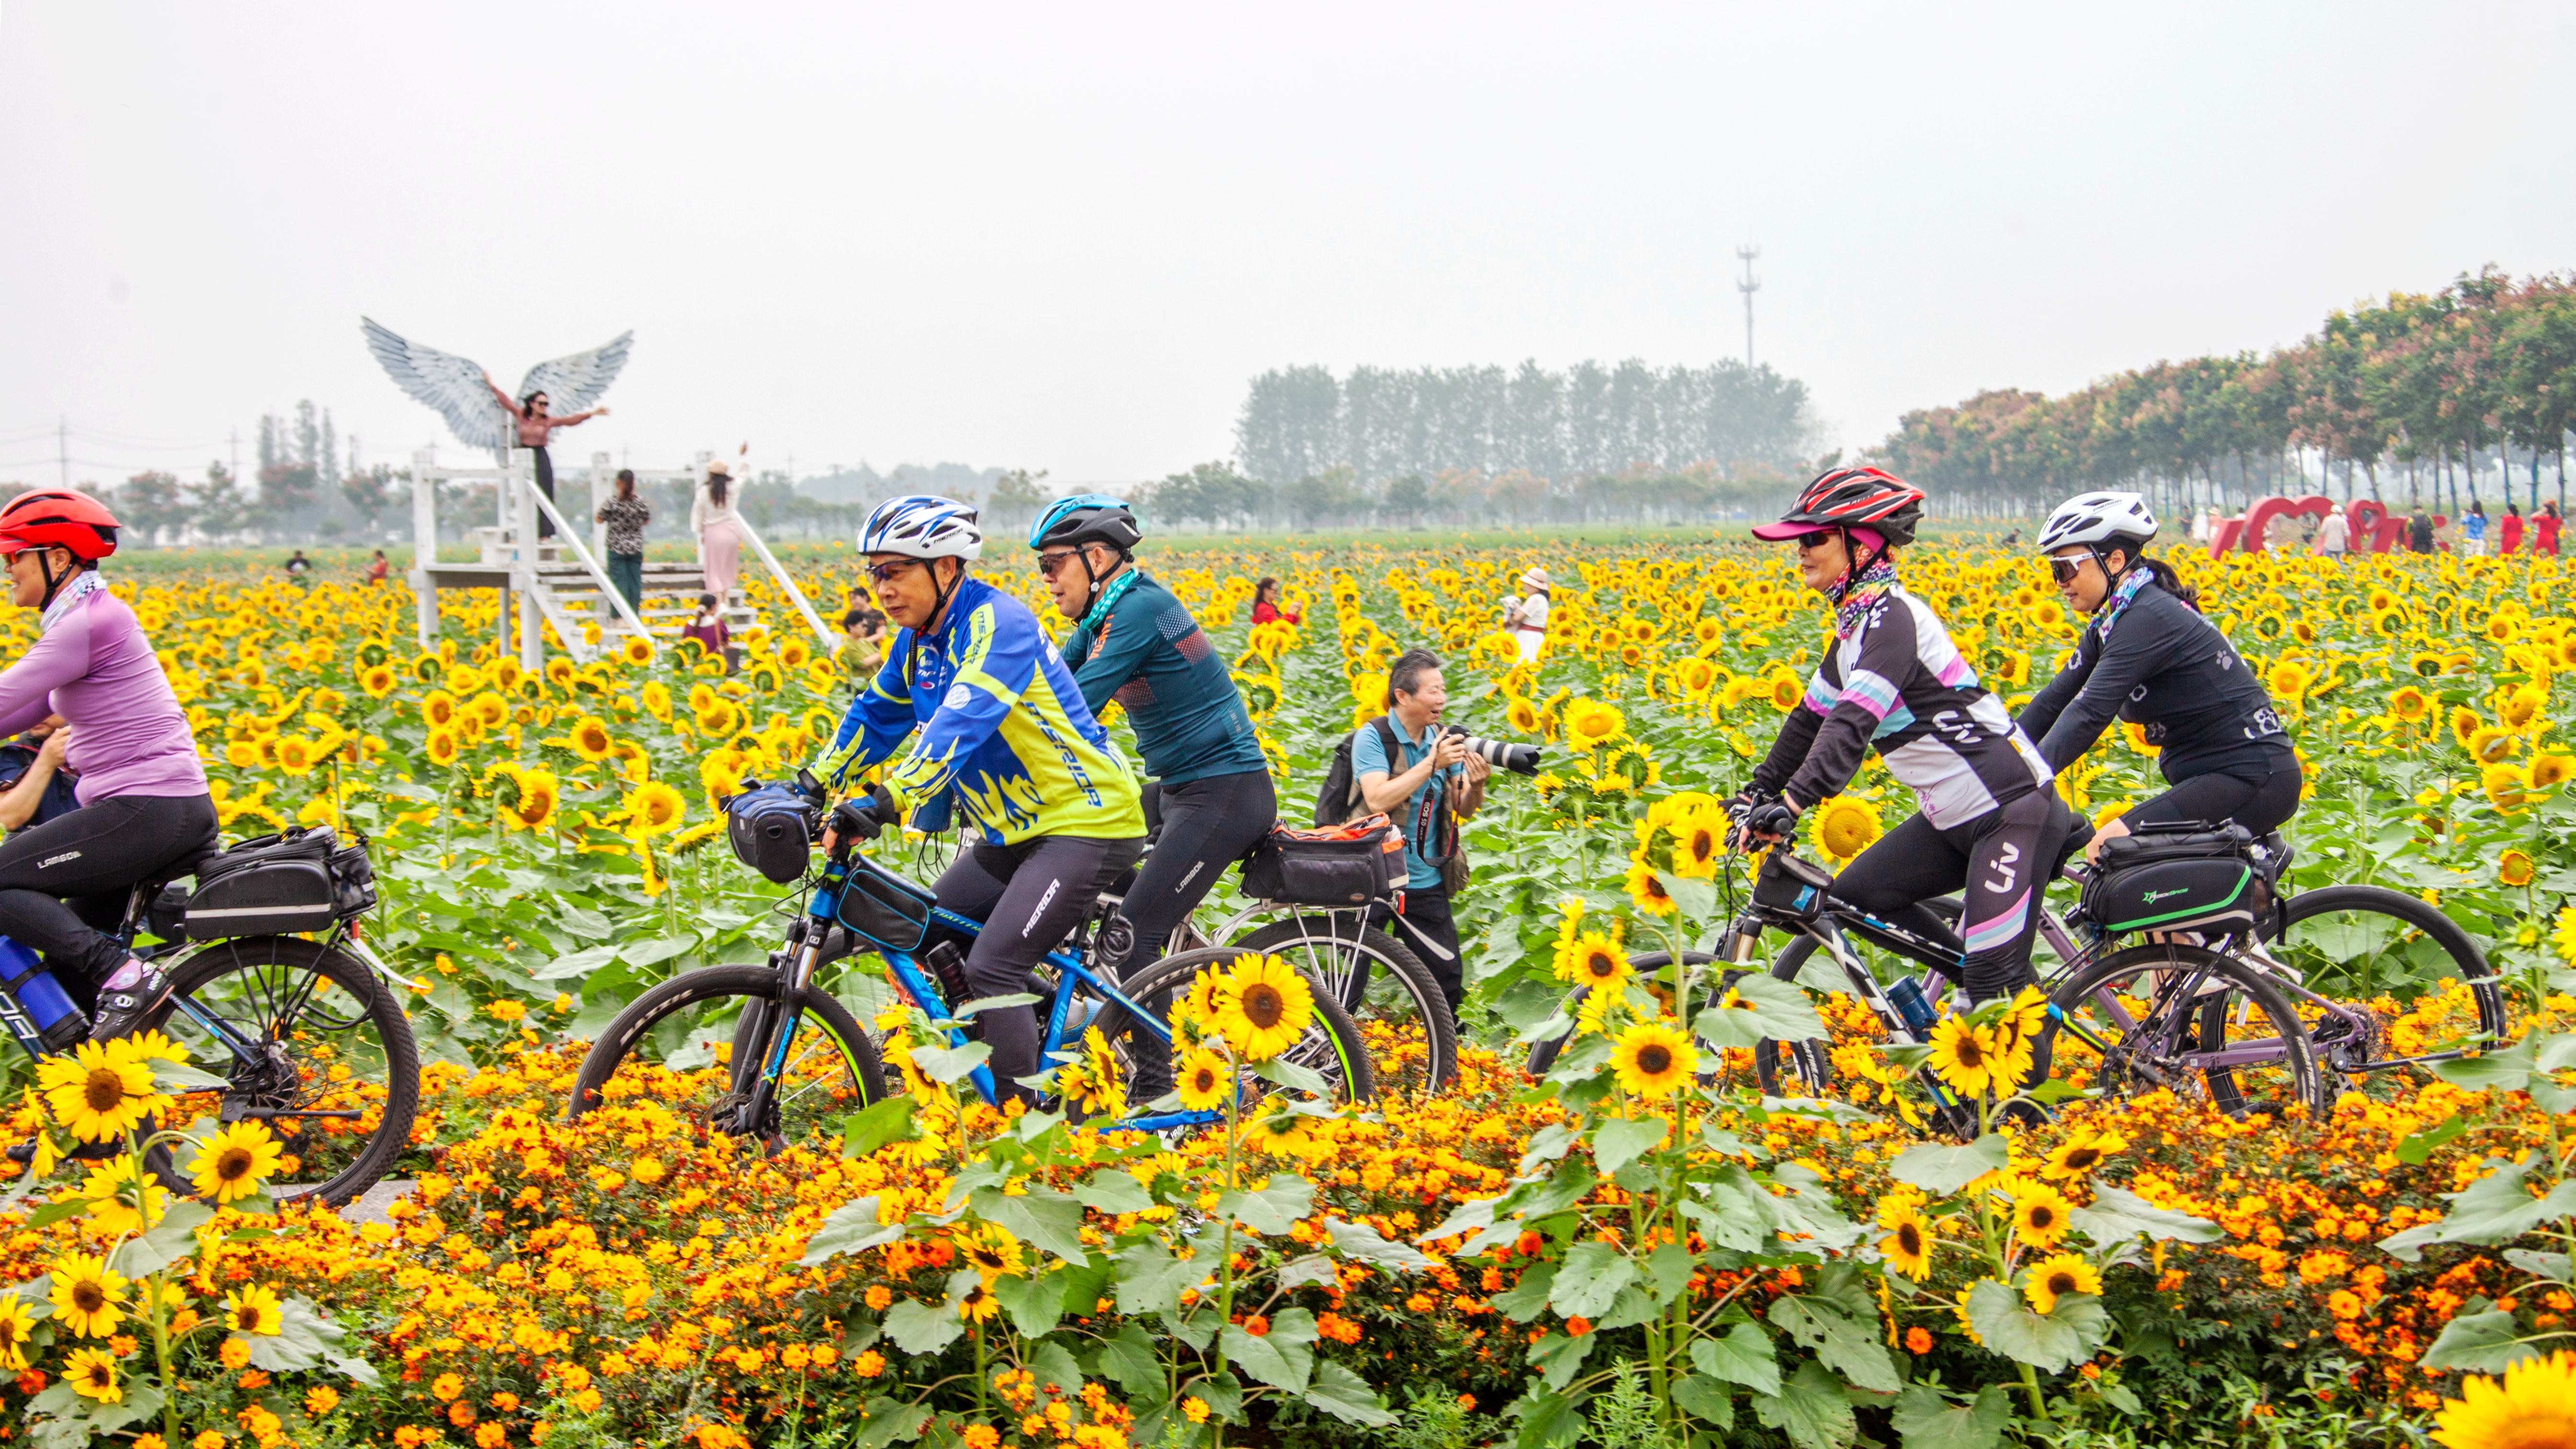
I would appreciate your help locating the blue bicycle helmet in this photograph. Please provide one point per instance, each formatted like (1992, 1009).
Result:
(1087, 518)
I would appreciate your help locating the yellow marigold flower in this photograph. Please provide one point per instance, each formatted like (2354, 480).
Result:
(1653, 1060)
(2054, 1277)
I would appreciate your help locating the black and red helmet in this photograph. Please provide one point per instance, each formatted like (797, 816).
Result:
(1870, 498)
(58, 517)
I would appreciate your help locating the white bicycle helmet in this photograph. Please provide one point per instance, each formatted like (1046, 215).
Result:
(2097, 519)
(922, 525)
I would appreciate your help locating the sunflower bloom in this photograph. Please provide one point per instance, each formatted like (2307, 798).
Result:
(2040, 1215)
(992, 1251)
(1262, 1007)
(88, 1296)
(92, 1375)
(2079, 1155)
(1653, 1060)
(255, 1310)
(232, 1164)
(1648, 891)
(1202, 1080)
(1592, 959)
(1844, 827)
(1909, 1243)
(1963, 1056)
(2053, 1277)
(2533, 1406)
(100, 1091)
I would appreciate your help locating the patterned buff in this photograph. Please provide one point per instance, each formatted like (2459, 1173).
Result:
(75, 589)
(2121, 598)
(1857, 594)
(1109, 598)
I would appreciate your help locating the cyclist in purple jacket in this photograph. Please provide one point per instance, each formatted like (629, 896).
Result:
(144, 809)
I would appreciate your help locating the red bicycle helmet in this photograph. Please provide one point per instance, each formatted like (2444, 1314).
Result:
(58, 517)
(1870, 498)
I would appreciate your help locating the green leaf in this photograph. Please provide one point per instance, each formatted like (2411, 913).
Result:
(1113, 1190)
(877, 1125)
(921, 1329)
(1594, 1273)
(1035, 1301)
(1054, 1366)
(54, 1212)
(1223, 1394)
(1130, 1359)
(1668, 1268)
(2493, 1209)
(1744, 1356)
(1844, 1345)
(1526, 1299)
(1346, 1396)
(1275, 1208)
(1706, 1399)
(1622, 1140)
(1294, 1077)
(1924, 1419)
(302, 1336)
(1273, 1358)
(1942, 1171)
(891, 1421)
(1466, 1217)
(1316, 1269)
(1811, 1409)
(850, 1228)
(653, 950)
(172, 1239)
(1697, 899)
(982, 1004)
(1547, 1144)
(577, 964)
(950, 1065)
(2417, 1147)
(2049, 1342)
(172, 1076)
(1547, 1420)
(1560, 1358)
(2479, 1339)
(2495, 1071)
(1043, 1216)
(1361, 1241)
(2118, 1215)
(1150, 1278)
(1781, 1008)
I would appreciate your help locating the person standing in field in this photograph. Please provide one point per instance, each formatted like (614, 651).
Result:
(2473, 530)
(625, 514)
(2544, 531)
(2509, 532)
(1265, 605)
(532, 427)
(377, 568)
(2334, 536)
(1528, 618)
(713, 520)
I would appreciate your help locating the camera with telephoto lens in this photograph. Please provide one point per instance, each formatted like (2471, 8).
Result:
(1501, 754)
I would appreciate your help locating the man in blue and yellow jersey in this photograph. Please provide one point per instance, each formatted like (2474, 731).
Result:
(999, 734)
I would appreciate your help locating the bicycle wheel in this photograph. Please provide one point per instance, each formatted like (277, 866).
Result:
(1413, 1045)
(312, 1043)
(2348, 946)
(1802, 1068)
(675, 1028)
(2137, 1020)
(1331, 1048)
(1543, 1053)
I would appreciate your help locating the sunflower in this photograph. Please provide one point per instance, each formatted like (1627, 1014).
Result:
(1262, 1007)
(1909, 1242)
(2410, 704)
(377, 680)
(2039, 1214)
(1963, 1056)
(654, 808)
(1523, 716)
(590, 738)
(2506, 786)
(2491, 744)
(1647, 890)
(718, 718)
(979, 1303)
(1095, 1088)
(1629, 767)
(2464, 723)
(121, 1200)
(92, 1375)
(636, 650)
(438, 707)
(2053, 1277)
(991, 1250)
(297, 755)
(2524, 705)
(1281, 1133)
(1786, 691)
(490, 708)
(534, 809)
(1653, 1060)
(17, 1325)
(1843, 827)
(2082, 1152)
(2516, 868)
(88, 1296)
(1203, 1078)
(2532, 1407)
(1592, 959)
(1589, 723)
(255, 1310)
(442, 747)
(2549, 769)
(427, 668)
(1699, 842)
(231, 1164)
(2427, 665)
(2289, 680)
(100, 1091)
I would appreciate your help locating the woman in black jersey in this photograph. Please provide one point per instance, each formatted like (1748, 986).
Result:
(2148, 657)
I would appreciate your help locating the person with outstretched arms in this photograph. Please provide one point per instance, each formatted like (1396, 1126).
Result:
(1133, 642)
(980, 717)
(144, 808)
(2149, 657)
(1989, 818)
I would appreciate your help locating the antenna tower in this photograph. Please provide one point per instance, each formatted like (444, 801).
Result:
(1748, 287)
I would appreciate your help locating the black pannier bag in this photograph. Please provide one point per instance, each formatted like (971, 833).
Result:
(1792, 886)
(1345, 865)
(884, 908)
(272, 885)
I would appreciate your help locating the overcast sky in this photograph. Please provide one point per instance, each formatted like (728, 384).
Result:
(1064, 237)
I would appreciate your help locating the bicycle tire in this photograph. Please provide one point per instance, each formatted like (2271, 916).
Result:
(200, 977)
(829, 1093)
(2086, 1000)
(1810, 1061)
(1543, 1053)
(2313, 956)
(1306, 942)
(1332, 1045)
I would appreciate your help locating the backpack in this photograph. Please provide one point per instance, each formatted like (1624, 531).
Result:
(58, 799)
(1338, 799)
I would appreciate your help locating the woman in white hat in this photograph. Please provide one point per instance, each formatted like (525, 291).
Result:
(1527, 618)
(711, 518)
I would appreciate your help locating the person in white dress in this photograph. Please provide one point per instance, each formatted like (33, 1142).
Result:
(713, 520)
(1527, 618)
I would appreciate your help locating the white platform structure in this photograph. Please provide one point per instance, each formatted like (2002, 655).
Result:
(567, 592)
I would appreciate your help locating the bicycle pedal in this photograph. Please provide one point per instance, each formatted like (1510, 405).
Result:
(2253, 954)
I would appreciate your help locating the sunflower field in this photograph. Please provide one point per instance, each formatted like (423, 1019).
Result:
(1635, 1249)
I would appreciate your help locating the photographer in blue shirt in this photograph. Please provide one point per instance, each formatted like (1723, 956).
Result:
(1428, 783)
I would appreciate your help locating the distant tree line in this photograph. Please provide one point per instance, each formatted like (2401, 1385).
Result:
(1218, 496)
(2471, 384)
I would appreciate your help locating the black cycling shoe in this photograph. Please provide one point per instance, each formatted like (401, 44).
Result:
(120, 1010)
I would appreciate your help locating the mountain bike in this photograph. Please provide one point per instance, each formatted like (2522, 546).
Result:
(307, 1030)
(797, 1062)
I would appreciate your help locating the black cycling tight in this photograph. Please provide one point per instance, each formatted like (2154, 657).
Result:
(2005, 858)
(65, 882)
(2257, 797)
(1029, 896)
(1207, 825)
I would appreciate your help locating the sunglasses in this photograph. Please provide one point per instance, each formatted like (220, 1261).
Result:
(1817, 539)
(2065, 569)
(884, 573)
(1050, 564)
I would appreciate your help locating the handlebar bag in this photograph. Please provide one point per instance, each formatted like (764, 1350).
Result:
(771, 830)
(1790, 886)
(273, 885)
(884, 908)
(2210, 893)
(1341, 865)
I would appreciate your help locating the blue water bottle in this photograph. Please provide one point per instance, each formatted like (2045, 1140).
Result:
(58, 1021)
(1910, 1005)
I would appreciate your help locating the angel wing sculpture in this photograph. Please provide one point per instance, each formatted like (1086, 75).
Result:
(453, 387)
